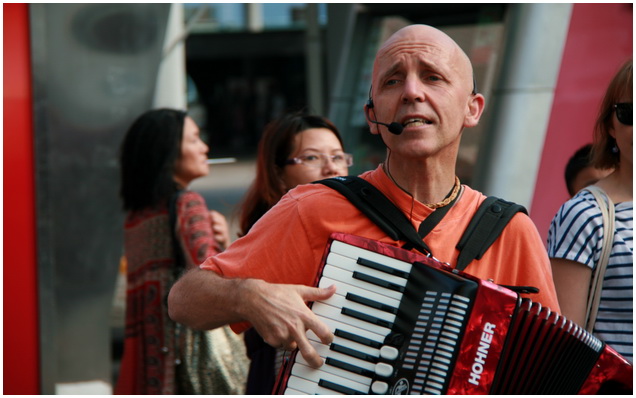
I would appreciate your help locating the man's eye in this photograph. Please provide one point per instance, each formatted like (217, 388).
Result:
(337, 157)
(311, 157)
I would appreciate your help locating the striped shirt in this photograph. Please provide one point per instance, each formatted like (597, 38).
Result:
(576, 234)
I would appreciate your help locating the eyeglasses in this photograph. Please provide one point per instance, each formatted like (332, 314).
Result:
(320, 160)
(624, 113)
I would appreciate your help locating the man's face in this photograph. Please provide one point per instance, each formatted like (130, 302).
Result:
(424, 81)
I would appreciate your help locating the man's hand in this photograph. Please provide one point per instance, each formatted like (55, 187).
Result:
(281, 316)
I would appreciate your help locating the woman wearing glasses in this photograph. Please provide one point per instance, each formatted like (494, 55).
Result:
(576, 234)
(294, 149)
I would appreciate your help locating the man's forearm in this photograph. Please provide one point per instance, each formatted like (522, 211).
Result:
(204, 300)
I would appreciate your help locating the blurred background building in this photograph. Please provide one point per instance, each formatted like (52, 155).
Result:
(76, 75)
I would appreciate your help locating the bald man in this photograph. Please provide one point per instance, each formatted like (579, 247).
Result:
(423, 84)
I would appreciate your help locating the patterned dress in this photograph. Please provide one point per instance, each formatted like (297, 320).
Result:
(576, 234)
(150, 347)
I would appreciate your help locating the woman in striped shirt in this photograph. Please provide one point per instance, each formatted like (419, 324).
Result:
(576, 234)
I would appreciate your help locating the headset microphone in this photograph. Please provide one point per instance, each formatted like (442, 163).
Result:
(395, 127)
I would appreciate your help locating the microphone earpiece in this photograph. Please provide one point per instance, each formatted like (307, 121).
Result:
(394, 128)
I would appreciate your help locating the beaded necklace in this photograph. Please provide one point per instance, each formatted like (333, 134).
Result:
(449, 198)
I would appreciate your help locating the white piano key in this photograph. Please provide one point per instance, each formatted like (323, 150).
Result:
(334, 370)
(341, 302)
(347, 277)
(350, 264)
(347, 343)
(336, 324)
(302, 385)
(345, 263)
(324, 352)
(291, 391)
(308, 387)
(315, 375)
(328, 311)
(355, 252)
(343, 288)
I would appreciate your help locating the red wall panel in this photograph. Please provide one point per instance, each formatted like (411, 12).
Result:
(20, 337)
(599, 40)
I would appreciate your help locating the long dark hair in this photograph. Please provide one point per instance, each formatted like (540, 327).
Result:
(621, 86)
(274, 148)
(147, 158)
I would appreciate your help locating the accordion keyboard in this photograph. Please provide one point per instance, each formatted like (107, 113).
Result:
(366, 316)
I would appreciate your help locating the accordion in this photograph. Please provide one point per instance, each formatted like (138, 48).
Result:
(405, 323)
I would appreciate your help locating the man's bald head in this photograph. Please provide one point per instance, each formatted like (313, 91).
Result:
(428, 40)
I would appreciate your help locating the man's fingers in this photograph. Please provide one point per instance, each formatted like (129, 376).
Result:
(317, 293)
(319, 328)
(307, 351)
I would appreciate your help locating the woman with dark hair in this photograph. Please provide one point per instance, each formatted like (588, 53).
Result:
(295, 149)
(167, 230)
(577, 232)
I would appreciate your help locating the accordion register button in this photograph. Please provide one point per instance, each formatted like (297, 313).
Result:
(383, 369)
(379, 387)
(389, 353)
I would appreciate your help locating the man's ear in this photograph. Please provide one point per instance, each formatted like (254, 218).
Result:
(372, 126)
(475, 108)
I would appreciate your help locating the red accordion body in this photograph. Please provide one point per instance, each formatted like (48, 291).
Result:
(408, 324)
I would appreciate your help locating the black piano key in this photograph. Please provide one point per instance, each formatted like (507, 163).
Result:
(382, 268)
(367, 318)
(353, 353)
(338, 388)
(357, 338)
(349, 367)
(371, 303)
(377, 281)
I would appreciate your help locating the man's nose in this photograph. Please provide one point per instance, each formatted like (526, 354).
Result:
(413, 90)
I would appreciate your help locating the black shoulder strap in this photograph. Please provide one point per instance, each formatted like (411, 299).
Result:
(485, 227)
(369, 200)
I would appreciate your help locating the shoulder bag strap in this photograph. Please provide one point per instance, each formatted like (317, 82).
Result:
(594, 297)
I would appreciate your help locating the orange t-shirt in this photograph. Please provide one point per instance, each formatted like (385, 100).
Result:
(287, 244)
